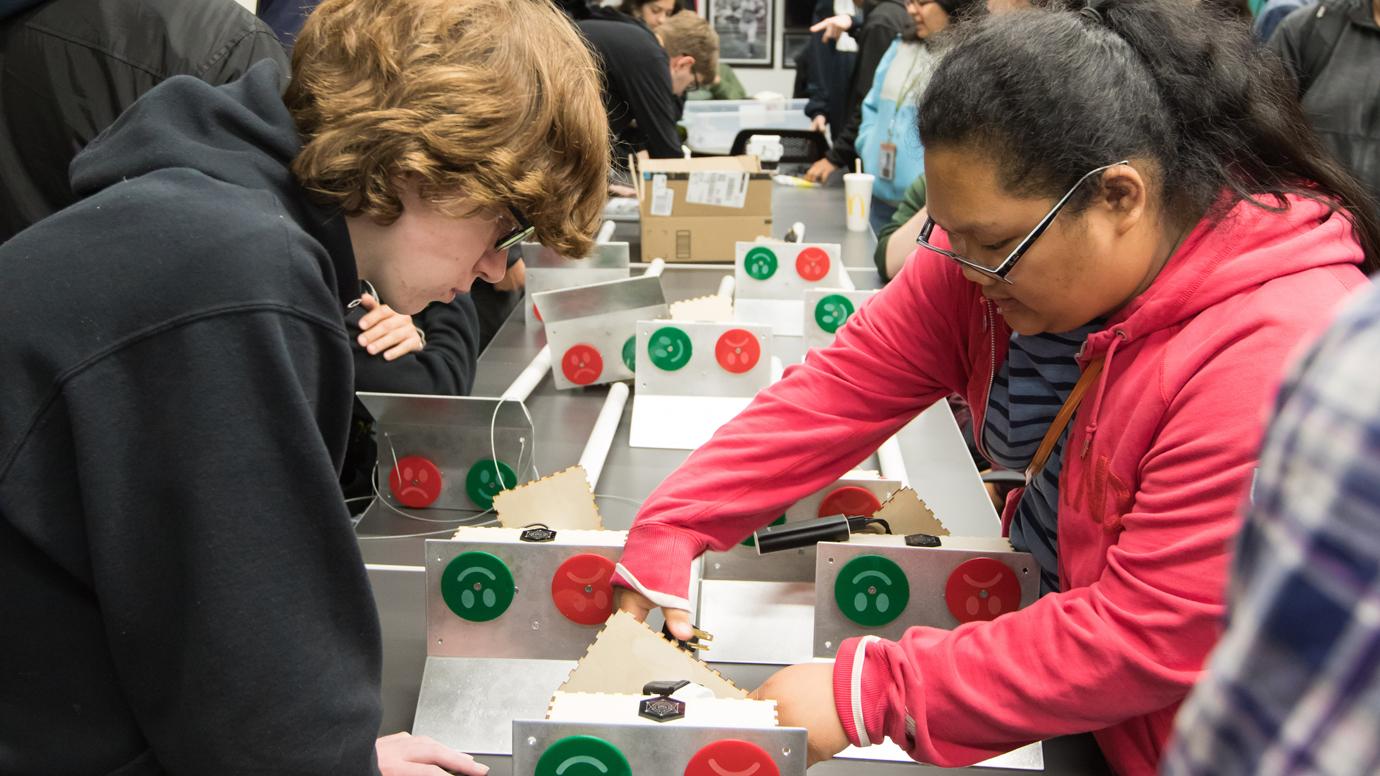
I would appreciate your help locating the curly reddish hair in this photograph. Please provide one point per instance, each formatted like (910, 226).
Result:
(486, 103)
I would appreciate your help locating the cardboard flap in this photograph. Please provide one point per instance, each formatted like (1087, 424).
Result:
(907, 513)
(626, 655)
(562, 501)
(713, 309)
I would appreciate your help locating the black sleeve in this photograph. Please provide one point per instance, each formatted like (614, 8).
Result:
(1288, 42)
(239, 618)
(444, 367)
(815, 86)
(646, 84)
(873, 41)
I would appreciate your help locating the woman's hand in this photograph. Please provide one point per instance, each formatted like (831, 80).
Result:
(386, 331)
(833, 27)
(804, 696)
(639, 606)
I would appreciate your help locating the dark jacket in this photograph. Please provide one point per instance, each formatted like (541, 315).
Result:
(69, 67)
(1334, 50)
(881, 24)
(183, 592)
(637, 85)
(828, 73)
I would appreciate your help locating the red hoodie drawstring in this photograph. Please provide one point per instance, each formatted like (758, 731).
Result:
(1091, 429)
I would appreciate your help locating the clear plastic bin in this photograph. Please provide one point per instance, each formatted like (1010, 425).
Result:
(711, 125)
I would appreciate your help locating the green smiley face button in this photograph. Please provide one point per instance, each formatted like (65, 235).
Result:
(630, 354)
(477, 586)
(488, 478)
(582, 756)
(832, 312)
(871, 590)
(760, 263)
(669, 348)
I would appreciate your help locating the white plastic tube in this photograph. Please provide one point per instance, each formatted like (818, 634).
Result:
(601, 438)
(655, 268)
(527, 381)
(605, 232)
(891, 463)
(726, 286)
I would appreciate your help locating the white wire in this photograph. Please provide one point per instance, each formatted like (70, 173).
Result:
(493, 444)
(633, 501)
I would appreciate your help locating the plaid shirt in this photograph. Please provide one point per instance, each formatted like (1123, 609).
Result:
(1294, 686)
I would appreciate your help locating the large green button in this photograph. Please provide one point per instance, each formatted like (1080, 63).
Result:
(582, 756)
(871, 590)
(482, 483)
(669, 348)
(760, 263)
(751, 541)
(477, 586)
(630, 353)
(832, 311)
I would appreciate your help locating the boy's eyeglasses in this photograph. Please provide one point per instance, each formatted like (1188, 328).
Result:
(522, 231)
(1003, 269)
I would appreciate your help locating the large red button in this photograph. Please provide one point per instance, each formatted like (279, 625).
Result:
(582, 588)
(415, 482)
(582, 364)
(849, 500)
(737, 350)
(982, 589)
(812, 264)
(732, 757)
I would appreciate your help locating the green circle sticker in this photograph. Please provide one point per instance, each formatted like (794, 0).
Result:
(871, 590)
(477, 586)
(630, 353)
(760, 263)
(669, 348)
(832, 311)
(582, 756)
(482, 482)
(751, 541)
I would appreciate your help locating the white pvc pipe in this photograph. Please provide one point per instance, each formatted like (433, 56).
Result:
(601, 438)
(527, 381)
(605, 232)
(726, 286)
(893, 466)
(655, 268)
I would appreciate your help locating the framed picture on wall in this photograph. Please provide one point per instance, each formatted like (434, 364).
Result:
(745, 31)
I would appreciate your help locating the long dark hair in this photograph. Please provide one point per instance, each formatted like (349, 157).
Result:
(1060, 92)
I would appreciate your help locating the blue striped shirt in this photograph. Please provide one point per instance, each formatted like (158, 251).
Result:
(1027, 392)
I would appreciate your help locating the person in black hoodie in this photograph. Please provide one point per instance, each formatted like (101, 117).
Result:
(882, 21)
(183, 592)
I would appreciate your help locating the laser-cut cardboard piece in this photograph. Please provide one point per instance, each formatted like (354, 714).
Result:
(907, 513)
(626, 655)
(562, 501)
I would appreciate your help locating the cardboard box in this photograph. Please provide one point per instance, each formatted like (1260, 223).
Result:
(696, 210)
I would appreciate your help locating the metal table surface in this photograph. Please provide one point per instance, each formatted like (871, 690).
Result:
(933, 452)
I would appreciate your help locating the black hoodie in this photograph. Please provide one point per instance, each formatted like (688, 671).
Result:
(180, 588)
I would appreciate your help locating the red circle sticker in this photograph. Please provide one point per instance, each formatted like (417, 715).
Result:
(849, 500)
(415, 482)
(732, 757)
(582, 588)
(982, 589)
(536, 313)
(738, 351)
(812, 264)
(582, 364)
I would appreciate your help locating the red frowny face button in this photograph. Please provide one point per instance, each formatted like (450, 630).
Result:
(732, 757)
(737, 351)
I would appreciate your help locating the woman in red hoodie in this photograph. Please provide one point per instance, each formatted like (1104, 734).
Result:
(1124, 196)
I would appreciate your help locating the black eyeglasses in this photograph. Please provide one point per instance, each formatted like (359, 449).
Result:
(1003, 269)
(522, 231)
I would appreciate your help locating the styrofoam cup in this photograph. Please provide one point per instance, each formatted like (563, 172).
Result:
(857, 196)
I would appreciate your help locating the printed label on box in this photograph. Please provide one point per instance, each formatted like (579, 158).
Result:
(662, 196)
(723, 189)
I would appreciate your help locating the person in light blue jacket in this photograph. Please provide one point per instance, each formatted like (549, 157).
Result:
(888, 142)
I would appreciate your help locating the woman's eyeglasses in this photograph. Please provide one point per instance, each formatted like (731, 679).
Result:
(1003, 269)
